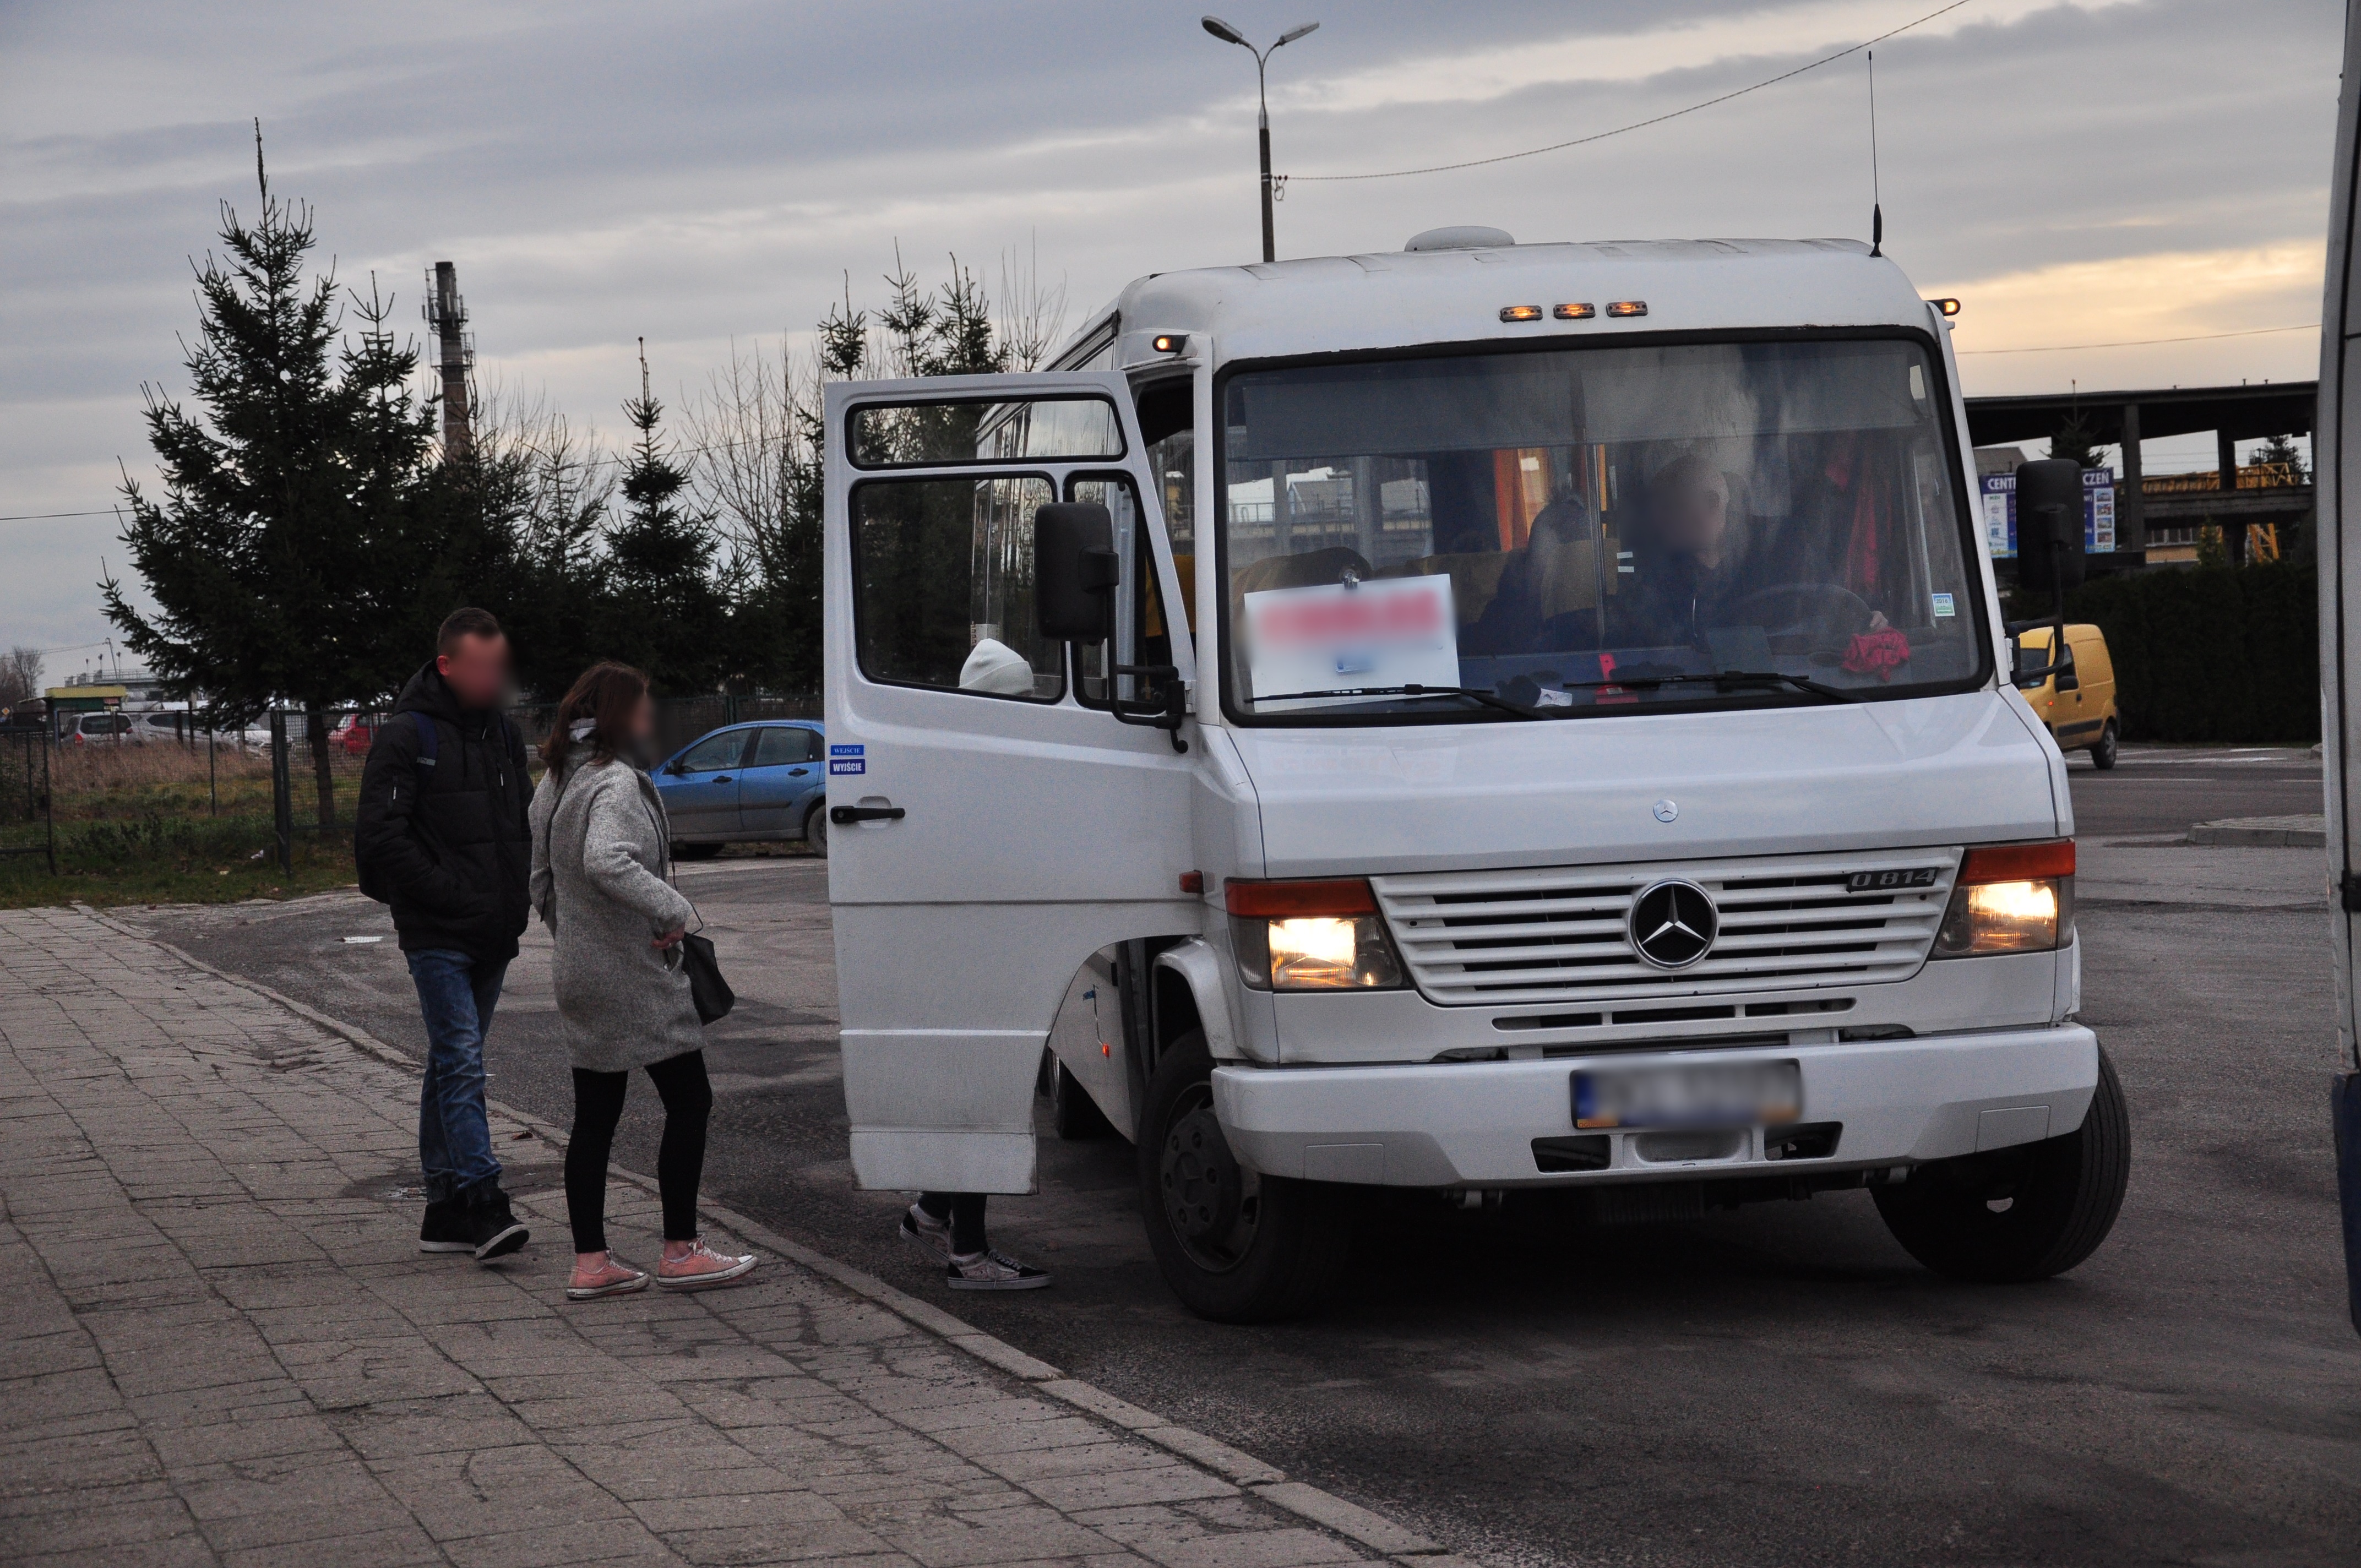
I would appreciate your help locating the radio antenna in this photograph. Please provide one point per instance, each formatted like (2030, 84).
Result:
(1876, 197)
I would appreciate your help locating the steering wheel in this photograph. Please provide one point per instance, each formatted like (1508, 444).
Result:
(1815, 608)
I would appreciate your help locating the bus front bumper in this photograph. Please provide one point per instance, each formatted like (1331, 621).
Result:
(1475, 1125)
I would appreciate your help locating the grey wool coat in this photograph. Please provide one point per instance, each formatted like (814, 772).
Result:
(601, 844)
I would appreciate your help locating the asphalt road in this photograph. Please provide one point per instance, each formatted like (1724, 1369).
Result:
(1778, 1386)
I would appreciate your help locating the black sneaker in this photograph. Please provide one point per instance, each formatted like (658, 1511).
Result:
(491, 1228)
(992, 1270)
(446, 1228)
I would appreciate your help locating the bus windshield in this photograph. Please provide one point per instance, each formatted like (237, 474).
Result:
(1593, 530)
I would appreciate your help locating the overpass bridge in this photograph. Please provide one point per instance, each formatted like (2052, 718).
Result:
(2158, 521)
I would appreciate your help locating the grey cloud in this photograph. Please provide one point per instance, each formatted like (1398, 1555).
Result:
(694, 172)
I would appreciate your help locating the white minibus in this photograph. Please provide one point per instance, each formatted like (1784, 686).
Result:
(1483, 717)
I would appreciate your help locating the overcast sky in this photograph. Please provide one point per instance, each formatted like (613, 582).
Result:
(2087, 172)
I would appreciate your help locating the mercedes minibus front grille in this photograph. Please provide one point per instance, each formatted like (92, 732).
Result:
(1561, 933)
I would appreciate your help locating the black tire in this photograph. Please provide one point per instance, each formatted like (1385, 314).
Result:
(1072, 1112)
(816, 829)
(2102, 750)
(2021, 1213)
(694, 851)
(1234, 1246)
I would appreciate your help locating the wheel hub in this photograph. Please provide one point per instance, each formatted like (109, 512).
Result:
(1202, 1185)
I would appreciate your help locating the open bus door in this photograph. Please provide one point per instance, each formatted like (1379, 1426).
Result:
(2340, 640)
(998, 809)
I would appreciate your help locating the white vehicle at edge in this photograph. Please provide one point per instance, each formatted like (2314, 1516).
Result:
(1584, 760)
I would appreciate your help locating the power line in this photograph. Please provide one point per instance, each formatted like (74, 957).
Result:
(44, 516)
(1639, 124)
(2143, 341)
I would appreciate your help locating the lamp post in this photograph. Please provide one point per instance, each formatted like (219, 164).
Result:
(1230, 35)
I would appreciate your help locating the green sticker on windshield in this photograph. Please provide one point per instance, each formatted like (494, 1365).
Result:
(1942, 606)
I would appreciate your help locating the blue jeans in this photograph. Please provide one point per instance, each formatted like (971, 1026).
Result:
(455, 1140)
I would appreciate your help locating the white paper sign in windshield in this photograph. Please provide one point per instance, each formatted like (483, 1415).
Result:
(1389, 631)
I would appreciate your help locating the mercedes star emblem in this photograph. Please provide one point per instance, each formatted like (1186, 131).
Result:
(1673, 924)
(1668, 809)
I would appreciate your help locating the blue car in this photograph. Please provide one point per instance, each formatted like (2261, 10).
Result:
(761, 781)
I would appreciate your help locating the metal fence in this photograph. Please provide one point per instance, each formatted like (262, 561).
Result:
(338, 746)
(27, 824)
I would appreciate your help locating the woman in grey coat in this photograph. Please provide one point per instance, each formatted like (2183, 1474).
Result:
(600, 850)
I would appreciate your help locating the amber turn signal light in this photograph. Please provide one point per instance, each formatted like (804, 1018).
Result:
(1627, 308)
(1521, 312)
(2018, 862)
(1575, 313)
(1280, 900)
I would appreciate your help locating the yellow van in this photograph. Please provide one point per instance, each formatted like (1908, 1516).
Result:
(2078, 703)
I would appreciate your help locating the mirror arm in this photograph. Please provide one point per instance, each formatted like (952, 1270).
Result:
(1164, 716)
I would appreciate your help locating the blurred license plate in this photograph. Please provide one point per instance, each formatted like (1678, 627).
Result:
(1693, 1094)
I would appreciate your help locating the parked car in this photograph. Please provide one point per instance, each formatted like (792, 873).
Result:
(97, 729)
(167, 724)
(2078, 703)
(765, 780)
(355, 733)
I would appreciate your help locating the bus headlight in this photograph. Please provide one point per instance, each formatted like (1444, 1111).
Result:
(2010, 898)
(1311, 935)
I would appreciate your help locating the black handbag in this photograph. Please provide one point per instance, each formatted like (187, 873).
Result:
(711, 994)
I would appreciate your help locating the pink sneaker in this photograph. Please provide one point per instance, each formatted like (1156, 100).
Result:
(701, 1268)
(613, 1276)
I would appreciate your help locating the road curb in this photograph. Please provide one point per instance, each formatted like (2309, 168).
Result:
(1326, 1510)
(2299, 833)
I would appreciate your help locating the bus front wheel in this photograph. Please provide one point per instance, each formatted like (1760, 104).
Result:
(1235, 1245)
(2019, 1214)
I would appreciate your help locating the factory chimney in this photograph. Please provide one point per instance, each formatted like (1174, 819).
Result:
(447, 313)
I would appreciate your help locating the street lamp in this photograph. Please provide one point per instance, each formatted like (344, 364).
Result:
(1230, 35)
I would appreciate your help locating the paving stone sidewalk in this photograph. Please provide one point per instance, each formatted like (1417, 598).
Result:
(220, 1345)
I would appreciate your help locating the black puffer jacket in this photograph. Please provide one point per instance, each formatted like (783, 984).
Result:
(446, 844)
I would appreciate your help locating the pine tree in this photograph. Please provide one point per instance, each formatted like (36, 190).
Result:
(2282, 451)
(2077, 439)
(286, 554)
(673, 605)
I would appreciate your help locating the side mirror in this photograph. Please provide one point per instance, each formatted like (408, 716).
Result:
(1074, 571)
(675, 767)
(2032, 666)
(2050, 525)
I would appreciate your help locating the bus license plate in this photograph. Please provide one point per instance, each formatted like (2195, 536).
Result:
(1693, 1094)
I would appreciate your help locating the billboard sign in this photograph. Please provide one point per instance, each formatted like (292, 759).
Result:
(2098, 514)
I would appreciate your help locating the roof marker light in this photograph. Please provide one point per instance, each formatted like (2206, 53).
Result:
(1168, 342)
(1949, 307)
(1521, 312)
(1582, 312)
(1627, 308)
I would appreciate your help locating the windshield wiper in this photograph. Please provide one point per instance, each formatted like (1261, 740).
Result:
(1488, 699)
(1781, 677)
(1721, 678)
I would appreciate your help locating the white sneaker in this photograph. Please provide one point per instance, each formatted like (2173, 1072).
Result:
(992, 1270)
(932, 1236)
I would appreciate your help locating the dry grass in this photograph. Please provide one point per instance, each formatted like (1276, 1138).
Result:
(167, 823)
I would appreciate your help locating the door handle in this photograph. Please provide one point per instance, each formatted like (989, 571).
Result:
(843, 815)
(797, 773)
(723, 778)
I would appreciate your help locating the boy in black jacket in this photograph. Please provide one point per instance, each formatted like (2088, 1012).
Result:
(442, 836)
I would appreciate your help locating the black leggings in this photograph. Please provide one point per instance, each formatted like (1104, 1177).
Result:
(680, 1159)
(965, 1210)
